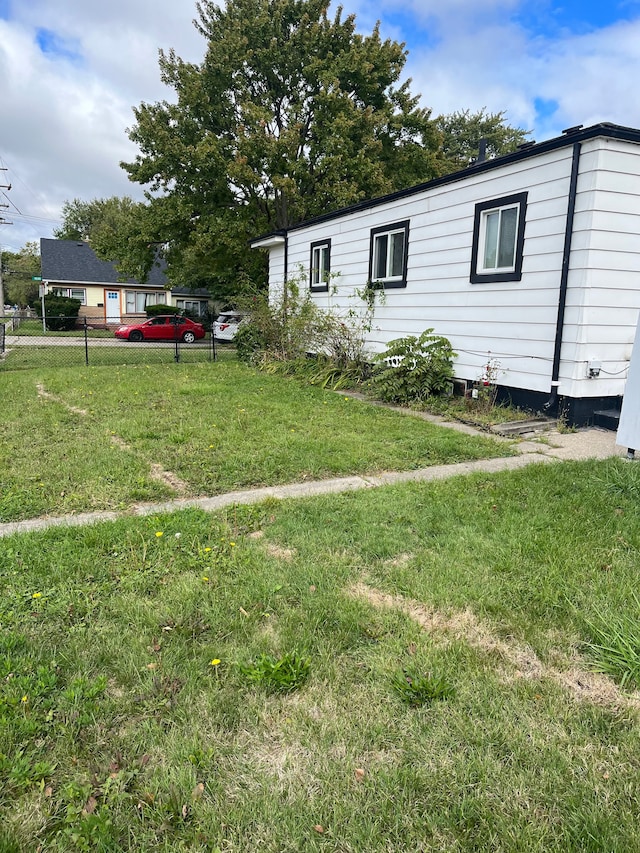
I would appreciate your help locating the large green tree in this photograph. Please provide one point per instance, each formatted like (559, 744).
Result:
(463, 130)
(18, 270)
(290, 114)
(116, 228)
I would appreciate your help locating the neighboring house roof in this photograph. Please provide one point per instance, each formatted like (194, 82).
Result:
(75, 262)
(570, 136)
(191, 291)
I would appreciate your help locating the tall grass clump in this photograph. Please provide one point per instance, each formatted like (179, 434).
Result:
(615, 647)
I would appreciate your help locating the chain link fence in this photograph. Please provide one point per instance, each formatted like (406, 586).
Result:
(27, 342)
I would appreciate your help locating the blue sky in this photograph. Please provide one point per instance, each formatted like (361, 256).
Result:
(71, 71)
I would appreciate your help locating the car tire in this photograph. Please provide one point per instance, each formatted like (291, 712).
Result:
(136, 336)
(188, 337)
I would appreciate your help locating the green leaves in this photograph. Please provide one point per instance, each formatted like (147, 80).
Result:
(289, 114)
(278, 675)
(411, 368)
(416, 688)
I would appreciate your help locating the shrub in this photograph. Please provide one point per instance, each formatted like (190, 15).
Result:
(155, 310)
(284, 331)
(61, 312)
(412, 369)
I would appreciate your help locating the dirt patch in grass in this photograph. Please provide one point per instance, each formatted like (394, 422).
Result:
(157, 472)
(274, 550)
(170, 479)
(464, 625)
(47, 395)
(280, 553)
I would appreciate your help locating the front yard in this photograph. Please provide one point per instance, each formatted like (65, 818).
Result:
(104, 438)
(433, 637)
(452, 666)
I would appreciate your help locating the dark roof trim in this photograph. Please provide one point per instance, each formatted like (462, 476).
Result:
(570, 138)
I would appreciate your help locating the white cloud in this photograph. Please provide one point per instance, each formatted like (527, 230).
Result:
(63, 121)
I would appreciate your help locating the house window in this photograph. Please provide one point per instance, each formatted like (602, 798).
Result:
(498, 239)
(388, 255)
(137, 301)
(72, 293)
(320, 265)
(195, 306)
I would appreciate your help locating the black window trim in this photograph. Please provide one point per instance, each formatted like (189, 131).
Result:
(494, 204)
(386, 284)
(322, 286)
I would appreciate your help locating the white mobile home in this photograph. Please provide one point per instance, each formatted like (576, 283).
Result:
(530, 261)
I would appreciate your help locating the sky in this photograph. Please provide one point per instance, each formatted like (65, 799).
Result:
(71, 72)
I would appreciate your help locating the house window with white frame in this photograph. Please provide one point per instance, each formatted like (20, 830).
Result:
(137, 300)
(71, 293)
(498, 239)
(388, 255)
(320, 265)
(194, 306)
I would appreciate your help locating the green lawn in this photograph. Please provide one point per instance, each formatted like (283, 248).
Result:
(106, 437)
(140, 663)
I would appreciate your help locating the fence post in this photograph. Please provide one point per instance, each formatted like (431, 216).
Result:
(175, 335)
(86, 343)
(213, 341)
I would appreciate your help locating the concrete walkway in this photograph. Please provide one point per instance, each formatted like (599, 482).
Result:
(550, 447)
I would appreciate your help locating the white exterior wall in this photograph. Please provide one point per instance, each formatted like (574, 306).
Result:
(605, 270)
(276, 270)
(513, 323)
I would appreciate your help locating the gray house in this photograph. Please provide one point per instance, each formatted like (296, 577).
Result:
(71, 268)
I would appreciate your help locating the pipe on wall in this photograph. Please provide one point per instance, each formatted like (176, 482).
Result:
(564, 278)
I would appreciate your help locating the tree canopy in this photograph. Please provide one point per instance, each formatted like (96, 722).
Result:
(18, 269)
(290, 114)
(463, 130)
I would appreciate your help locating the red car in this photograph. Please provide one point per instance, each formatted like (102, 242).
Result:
(165, 327)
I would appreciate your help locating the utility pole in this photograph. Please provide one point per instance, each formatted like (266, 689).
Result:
(3, 221)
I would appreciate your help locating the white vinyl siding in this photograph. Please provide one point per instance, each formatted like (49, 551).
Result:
(514, 320)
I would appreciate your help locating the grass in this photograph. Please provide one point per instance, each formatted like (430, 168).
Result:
(128, 720)
(33, 328)
(107, 437)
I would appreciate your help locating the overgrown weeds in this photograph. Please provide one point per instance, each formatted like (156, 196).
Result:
(421, 688)
(277, 674)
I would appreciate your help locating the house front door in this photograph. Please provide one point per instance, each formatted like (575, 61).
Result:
(112, 298)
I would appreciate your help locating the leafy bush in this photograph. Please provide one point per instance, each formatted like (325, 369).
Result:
(412, 369)
(61, 312)
(155, 310)
(284, 331)
(250, 342)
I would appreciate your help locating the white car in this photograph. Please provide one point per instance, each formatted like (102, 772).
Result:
(226, 326)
